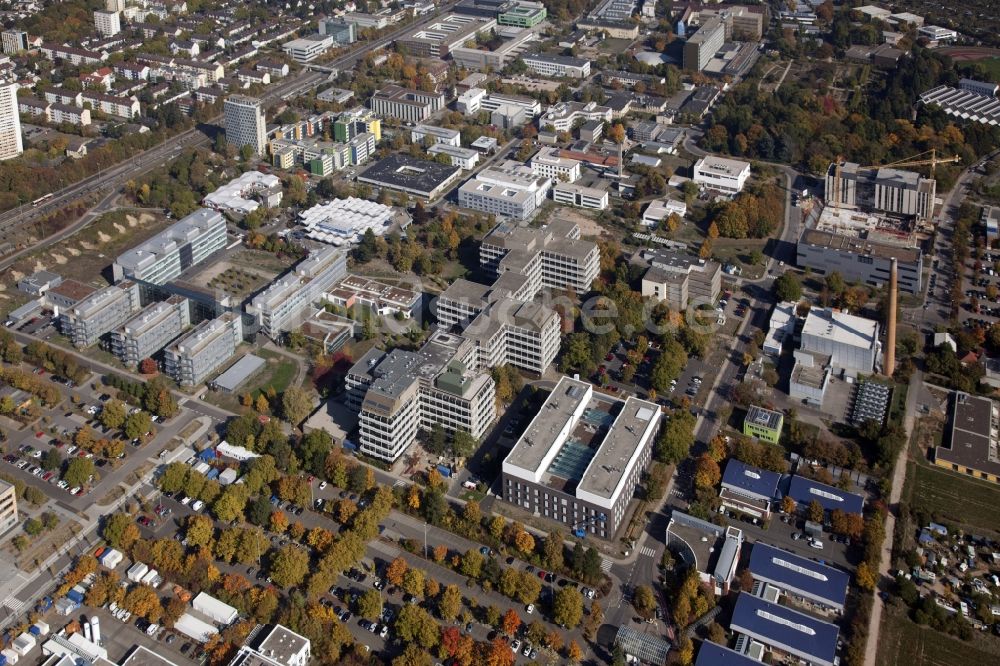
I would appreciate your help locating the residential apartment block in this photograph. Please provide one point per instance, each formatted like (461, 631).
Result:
(244, 120)
(171, 252)
(13, 41)
(99, 313)
(199, 354)
(10, 123)
(401, 392)
(107, 23)
(581, 457)
(282, 306)
(411, 105)
(509, 191)
(150, 330)
(553, 256)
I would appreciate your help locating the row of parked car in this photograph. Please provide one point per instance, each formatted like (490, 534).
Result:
(37, 471)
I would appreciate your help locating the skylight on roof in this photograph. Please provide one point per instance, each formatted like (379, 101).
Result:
(825, 494)
(797, 569)
(785, 621)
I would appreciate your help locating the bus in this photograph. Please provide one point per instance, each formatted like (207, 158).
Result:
(42, 199)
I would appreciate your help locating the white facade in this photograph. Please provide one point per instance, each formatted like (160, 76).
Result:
(8, 507)
(660, 209)
(851, 342)
(508, 190)
(14, 40)
(557, 66)
(107, 23)
(245, 123)
(547, 162)
(443, 135)
(562, 116)
(10, 123)
(464, 158)
(99, 313)
(182, 245)
(470, 101)
(193, 358)
(719, 173)
(411, 105)
(308, 48)
(581, 197)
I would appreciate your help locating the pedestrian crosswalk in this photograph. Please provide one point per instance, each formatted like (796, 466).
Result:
(14, 605)
(399, 483)
(649, 552)
(606, 564)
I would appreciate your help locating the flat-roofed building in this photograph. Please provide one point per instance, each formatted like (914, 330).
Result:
(711, 550)
(713, 654)
(172, 251)
(570, 194)
(308, 48)
(275, 645)
(861, 246)
(553, 256)
(439, 38)
(478, 58)
(151, 330)
(549, 162)
(884, 189)
(244, 118)
(420, 178)
(557, 65)
(282, 306)
(851, 341)
(702, 46)
(531, 106)
(680, 279)
(463, 158)
(523, 14)
(721, 174)
(964, 104)
(99, 313)
(763, 424)
(799, 576)
(205, 349)
(400, 392)
(972, 446)
(786, 630)
(384, 299)
(562, 116)
(750, 490)
(406, 104)
(660, 209)
(8, 506)
(245, 193)
(342, 32)
(448, 137)
(507, 190)
(580, 458)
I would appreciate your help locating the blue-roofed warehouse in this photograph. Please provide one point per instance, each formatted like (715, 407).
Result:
(799, 576)
(804, 491)
(749, 489)
(711, 654)
(785, 629)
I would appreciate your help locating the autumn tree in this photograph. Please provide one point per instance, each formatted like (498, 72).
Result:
(644, 601)
(396, 571)
(499, 653)
(370, 604)
(148, 366)
(511, 622)
(816, 511)
(573, 652)
(413, 582)
(296, 405)
(707, 473)
(289, 566)
(113, 415)
(415, 625)
(595, 618)
(449, 603)
(567, 607)
(142, 601)
(788, 505)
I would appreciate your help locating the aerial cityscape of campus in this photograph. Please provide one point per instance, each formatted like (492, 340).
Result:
(493, 332)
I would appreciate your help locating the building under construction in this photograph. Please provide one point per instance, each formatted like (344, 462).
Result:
(861, 246)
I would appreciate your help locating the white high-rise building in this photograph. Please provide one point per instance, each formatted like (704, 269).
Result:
(245, 123)
(114, 5)
(108, 23)
(14, 40)
(10, 123)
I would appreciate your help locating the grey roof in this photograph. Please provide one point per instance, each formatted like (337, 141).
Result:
(183, 231)
(789, 630)
(804, 491)
(712, 654)
(648, 648)
(607, 470)
(558, 59)
(971, 444)
(239, 372)
(751, 481)
(405, 172)
(799, 575)
(763, 418)
(548, 423)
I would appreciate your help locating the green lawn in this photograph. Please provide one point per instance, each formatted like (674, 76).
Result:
(953, 497)
(991, 65)
(279, 372)
(903, 642)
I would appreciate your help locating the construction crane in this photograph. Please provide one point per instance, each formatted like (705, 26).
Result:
(933, 161)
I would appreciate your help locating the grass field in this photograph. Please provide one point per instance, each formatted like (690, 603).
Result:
(903, 642)
(953, 497)
(991, 65)
(278, 373)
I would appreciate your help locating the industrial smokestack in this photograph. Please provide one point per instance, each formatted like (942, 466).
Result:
(890, 342)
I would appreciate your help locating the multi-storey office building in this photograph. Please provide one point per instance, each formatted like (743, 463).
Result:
(852, 342)
(553, 256)
(524, 14)
(450, 32)
(308, 48)
(480, 59)
(531, 106)
(205, 349)
(151, 330)
(244, 119)
(581, 457)
(171, 252)
(886, 190)
(282, 306)
(11, 144)
(341, 31)
(509, 189)
(549, 162)
(463, 158)
(100, 313)
(562, 116)
(442, 135)
(400, 392)
(411, 105)
(14, 40)
(679, 278)
(582, 197)
(722, 174)
(557, 66)
(702, 46)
